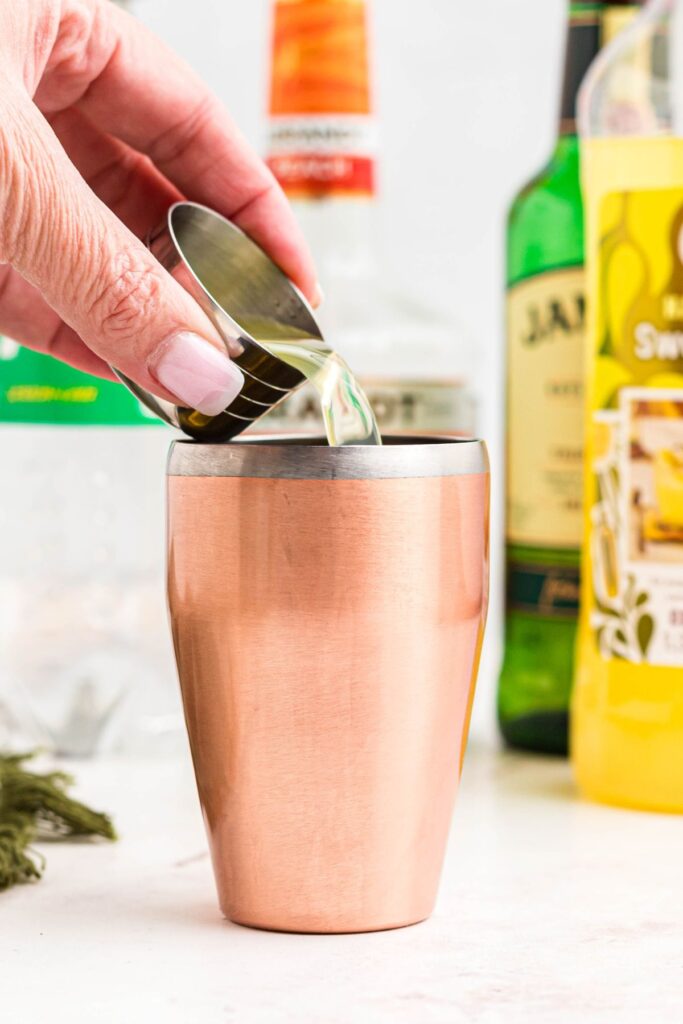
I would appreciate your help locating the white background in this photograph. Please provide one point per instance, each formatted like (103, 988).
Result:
(467, 93)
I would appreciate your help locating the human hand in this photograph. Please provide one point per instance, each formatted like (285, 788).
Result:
(102, 128)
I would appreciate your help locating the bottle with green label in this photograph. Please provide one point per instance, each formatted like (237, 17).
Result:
(82, 634)
(545, 353)
(85, 663)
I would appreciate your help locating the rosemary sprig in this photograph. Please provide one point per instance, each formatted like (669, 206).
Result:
(34, 806)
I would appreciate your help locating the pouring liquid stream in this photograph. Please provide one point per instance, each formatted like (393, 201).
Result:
(347, 415)
(346, 410)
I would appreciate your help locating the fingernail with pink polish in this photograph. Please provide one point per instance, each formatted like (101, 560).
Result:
(199, 376)
(318, 296)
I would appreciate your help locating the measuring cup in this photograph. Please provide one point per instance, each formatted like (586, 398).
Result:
(250, 301)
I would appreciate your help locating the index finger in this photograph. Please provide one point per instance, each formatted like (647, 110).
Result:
(152, 100)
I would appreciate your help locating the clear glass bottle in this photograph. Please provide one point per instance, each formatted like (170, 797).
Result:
(84, 653)
(627, 711)
(85, 658)
(411, 360)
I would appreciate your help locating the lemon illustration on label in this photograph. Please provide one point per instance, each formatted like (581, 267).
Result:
(610, 377)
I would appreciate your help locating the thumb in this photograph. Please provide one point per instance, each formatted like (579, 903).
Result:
(99, 278)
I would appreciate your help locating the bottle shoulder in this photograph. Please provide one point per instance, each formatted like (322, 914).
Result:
(555, 185)
(547, 195)
(545, 220)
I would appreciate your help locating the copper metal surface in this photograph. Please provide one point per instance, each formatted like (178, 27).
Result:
(327, 634)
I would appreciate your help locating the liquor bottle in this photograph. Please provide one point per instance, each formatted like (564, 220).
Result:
(85, 664)
(83, 652)
(545, 352)
(322, 147)
(627, 709)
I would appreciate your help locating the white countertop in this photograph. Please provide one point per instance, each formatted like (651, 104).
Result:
(551, 911)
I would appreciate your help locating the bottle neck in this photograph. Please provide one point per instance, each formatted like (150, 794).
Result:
(617, 17)
(583, 45)
(591, 26)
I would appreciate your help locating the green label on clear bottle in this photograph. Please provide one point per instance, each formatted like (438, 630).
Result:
(34, 388)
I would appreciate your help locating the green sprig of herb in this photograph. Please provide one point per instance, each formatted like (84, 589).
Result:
(35, 806)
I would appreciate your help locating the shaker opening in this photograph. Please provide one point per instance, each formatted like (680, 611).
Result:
(306, 457)
(318, 441)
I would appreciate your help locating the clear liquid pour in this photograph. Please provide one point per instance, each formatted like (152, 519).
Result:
(347, 413)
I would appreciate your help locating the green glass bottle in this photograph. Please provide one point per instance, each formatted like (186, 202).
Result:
(545, 333)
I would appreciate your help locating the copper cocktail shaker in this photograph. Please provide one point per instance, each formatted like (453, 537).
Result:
(328, 606)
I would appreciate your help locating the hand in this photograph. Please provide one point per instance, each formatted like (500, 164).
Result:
(101, 129)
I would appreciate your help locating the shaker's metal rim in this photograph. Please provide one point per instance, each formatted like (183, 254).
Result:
(282, 457)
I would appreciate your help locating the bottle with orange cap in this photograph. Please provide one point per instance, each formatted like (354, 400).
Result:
(322, 147)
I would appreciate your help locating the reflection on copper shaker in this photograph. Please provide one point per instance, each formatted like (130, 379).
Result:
(328, 608)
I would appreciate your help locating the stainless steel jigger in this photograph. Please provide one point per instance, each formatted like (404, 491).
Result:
(250, 301)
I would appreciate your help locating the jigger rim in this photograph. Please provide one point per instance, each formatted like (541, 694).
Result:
(306, 457)
(233, 330)
(252, 304)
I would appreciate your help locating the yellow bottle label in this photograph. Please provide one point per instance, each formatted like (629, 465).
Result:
(546, 329)
(635, 506)
(627, 705)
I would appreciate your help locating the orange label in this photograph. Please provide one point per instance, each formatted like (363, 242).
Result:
(320, 58)
(306, 175)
